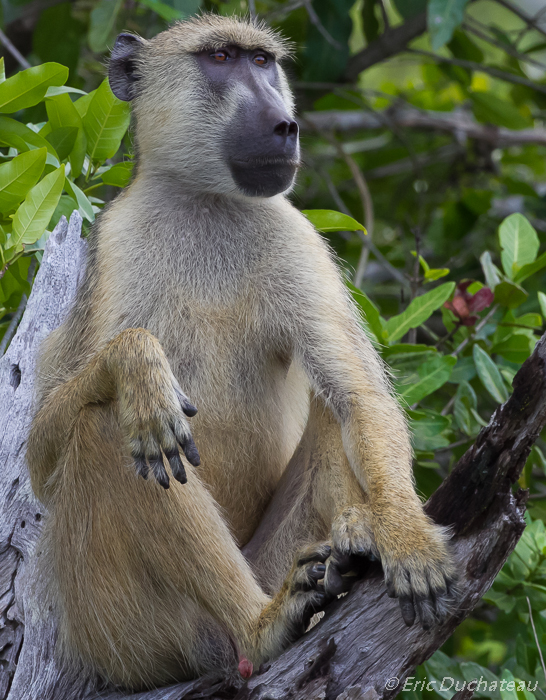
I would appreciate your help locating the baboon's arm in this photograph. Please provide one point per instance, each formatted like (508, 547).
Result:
(344, 368)
(133, 370)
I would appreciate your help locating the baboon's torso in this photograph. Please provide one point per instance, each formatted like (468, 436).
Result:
(212, 287)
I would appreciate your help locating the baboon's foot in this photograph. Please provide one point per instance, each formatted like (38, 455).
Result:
(302, 595)
(353, 548)
(423, 578)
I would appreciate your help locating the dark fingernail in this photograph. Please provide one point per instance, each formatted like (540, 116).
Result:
(189, 409)
(177, 467)
(156, 464)
(319, 568)
(192, 455)
(408, 610)
(372, 557)
(391, 592)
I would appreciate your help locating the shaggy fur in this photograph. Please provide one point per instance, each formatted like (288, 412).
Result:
(246, 312)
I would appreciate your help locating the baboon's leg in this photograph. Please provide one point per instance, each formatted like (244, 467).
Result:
(148, 583)
(317, 497)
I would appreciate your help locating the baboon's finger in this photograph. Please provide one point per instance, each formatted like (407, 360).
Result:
(190, 450)
(307, 577)
(407, 609)
(141, 466)
(391, 591)
(316, 552)
(185, 404)
(158, 468)
(424, 606)
(177, 467)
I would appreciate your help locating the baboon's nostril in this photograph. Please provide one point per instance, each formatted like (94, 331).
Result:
(282, 128)
(293, 129)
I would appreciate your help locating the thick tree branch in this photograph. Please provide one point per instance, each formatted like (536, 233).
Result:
(391, 42)
(459, 123)
(362, 642)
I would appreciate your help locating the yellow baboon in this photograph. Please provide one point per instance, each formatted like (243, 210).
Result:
(203, 281)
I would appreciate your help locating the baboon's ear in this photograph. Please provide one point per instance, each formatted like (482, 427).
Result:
(122, 73)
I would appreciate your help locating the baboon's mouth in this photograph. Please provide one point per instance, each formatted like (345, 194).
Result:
(265, 161)
(264, 176)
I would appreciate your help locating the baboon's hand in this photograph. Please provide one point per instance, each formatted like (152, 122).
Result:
(153, 413)
(423, 579)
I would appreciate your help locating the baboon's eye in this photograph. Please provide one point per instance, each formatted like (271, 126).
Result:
(260, 59)
(220, 55)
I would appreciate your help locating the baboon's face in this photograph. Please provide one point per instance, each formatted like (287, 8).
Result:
(218, 120)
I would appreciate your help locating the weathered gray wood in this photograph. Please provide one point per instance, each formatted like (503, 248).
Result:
(359, 645)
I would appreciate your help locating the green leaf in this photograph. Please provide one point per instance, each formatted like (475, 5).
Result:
(527, 270)
(370, 23)
(35, 212)
(118, 175)
(490, 270)
(166, 12)
(62, 112)
(105, 123)
(490, 109)
(63, 140)
(84, 205)
(63, 89)
(371, 313)
(519, 243)
(542, 303)
(2, 70)
(101, 24)
(432, 375)
(419, 310)
(489, 374)
(509, 294)
(431, 275)
(20, 137)
(443, 17)
(516, 348)
(18, 176)
(28, 87)
(329, 221)
(410, 8)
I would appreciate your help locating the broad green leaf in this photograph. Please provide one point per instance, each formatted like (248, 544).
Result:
(84, 205)
(20, 137)
(527, 270)
(542, 303)
(82, 105)
(371, 313)
(329, 221)
(490, 270)
(118, 175)
(63, 89)
(519, 243)
(510, 295)
(101, 24)
(419, 310)
(18, 176)
(516, 348)
(464, 371)
(491, 109)
(34, 214)
(29, 86)
(166, 12)
(443, 17)
(62, 112)
(489, 374)
(63, 140)
(105, 123)
(432, 375)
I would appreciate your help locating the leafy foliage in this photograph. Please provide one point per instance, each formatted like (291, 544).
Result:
(450, 275)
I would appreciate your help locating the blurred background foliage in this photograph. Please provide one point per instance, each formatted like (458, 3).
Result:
(424, 120)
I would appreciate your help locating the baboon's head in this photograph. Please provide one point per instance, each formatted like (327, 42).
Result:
(212, 105)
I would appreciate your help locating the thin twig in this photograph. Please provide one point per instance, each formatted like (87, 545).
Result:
(387, 24)
(458, 443)
(482, 67)
(529, 21)
(321, 28)
(14, 51)
(504, 47)
(10, 332)
(478, 328)
(381, 259)
(536, 637)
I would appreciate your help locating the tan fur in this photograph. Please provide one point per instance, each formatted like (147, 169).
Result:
(244, 310)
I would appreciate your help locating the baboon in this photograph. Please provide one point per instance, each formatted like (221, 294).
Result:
(207, 295)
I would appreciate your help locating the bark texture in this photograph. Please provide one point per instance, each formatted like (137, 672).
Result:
(361, 649)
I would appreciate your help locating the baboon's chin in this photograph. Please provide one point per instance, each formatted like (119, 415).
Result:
(263, 179)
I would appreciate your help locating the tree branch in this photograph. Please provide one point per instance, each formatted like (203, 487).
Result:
(361, 644)
(459, 123)
(392, 41)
